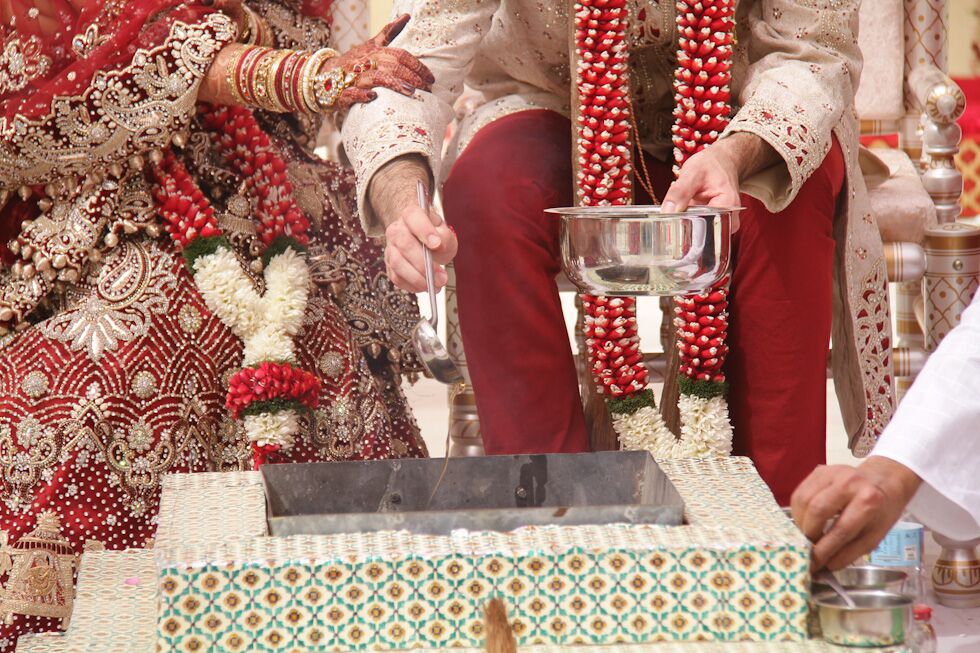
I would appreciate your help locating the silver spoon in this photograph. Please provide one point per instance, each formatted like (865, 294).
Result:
(827, 577)
(425, 337)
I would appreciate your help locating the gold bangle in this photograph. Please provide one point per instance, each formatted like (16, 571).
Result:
(286, 79)
(231, 77)
(245, 74)
(309, 75)
(263, 84)
(278, 58)
(254, 31)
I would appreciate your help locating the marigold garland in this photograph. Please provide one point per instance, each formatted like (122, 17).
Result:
(269, 390)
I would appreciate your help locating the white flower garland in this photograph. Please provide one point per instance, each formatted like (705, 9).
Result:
(706, 431)
(272, 428)
(266, 324)
(705, 427)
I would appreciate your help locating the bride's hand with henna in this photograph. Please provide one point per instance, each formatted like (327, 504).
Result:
(363, 67)
(375, 64)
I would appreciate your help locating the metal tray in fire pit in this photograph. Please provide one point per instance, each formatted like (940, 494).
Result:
(498, 493)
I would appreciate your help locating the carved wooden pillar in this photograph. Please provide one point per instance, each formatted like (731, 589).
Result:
(952, 277)
(906, 266)
(941, 135)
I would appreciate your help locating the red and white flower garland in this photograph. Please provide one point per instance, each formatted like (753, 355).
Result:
(706, 31)
(270, 390)
(604, 150)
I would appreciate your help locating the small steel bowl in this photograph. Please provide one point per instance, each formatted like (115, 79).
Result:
(866, 577)
(638, 250)
(880, 618)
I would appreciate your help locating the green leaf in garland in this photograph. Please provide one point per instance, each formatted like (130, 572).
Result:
(703, 389)
(202, 247)
(280, 245)
(631, 404)
(272, 406)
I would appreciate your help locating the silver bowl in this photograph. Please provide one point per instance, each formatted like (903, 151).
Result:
(638, 250)
(880, 618)
(866, 577)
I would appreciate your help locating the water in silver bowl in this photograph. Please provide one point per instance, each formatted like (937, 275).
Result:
(638, 250)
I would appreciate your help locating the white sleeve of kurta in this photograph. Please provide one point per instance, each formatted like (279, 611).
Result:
(445, 36)
(936, 433)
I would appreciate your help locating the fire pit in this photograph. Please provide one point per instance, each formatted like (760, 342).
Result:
(491, 493)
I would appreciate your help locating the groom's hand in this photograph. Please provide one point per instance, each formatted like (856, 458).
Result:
(711, 177)
(394, 197)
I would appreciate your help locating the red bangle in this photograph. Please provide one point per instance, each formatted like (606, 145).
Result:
(285, 80)
(244, 76)
(295, 81)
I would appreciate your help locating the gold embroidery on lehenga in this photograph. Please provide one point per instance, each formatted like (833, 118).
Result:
(132, 286)
(42, 568)
(331, 364)
(135, 210)
(35, 384)
(309, 191)
(122, 113)
(83, 44)
(189, 319)
(144, 384)
(57, 243)
(21, 61)
(340, 427)
(131, 453)
(372, 305)
(21, 296)
(291, 28)
(23, 460)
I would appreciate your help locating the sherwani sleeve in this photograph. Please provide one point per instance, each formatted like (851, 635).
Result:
(935, 433)
(445, 36)
(803, 65)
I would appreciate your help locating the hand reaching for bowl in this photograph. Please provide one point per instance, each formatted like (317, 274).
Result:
(866, 500)
(711, 177)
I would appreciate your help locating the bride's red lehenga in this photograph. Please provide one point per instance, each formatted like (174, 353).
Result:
(114, 372)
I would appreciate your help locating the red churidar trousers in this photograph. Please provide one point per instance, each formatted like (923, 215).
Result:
(517, 348)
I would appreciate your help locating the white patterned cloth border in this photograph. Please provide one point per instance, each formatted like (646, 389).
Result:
(210, 507)
(721, 496)
(115, 607)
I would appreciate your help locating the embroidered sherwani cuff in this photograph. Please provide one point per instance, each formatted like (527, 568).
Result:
(388, 128)
(800, 63)
(797, 143)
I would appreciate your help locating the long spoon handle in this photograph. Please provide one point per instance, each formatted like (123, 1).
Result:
(430, 281)
(828, 577)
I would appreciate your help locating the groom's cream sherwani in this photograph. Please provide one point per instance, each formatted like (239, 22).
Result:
(797, 64)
